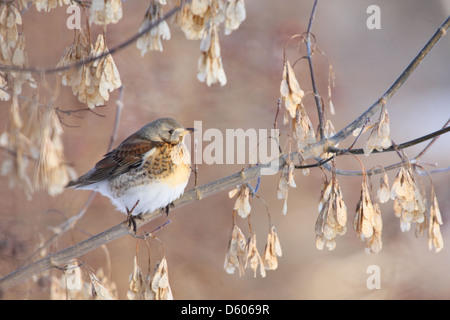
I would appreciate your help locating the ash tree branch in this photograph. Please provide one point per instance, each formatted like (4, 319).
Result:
(341, 135)
(404, 145)
(414, 161)
(339, 152)
(431, 142)
(199, 193)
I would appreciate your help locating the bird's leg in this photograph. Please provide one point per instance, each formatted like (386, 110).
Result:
(167, 208)
(132, 219)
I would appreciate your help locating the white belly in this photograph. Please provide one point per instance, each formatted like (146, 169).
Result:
(151, 197)
(156, 195)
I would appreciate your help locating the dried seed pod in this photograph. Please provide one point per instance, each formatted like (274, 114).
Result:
(383, 192)
(234, 15)
(47, 5)
(367, 221)
(152, 39)
(236, 251)
(254, 257)
(191, 24)
(13, 139)
(160, 282)
(210, 63)
(272, 250)
(303, 129)
(71, 285)
(379, 138)
(409, 205)
(105, 11)
(93, 82)
(136, 283)
(80, 49)
(286, 181)
(290, 90)
(332, 218)
(52, 172)
(434, 230)
(242, 204)
(102, 287)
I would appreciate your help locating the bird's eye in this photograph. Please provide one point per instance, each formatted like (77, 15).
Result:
(171, 131)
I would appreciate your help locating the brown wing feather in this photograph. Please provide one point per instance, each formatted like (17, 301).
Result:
(128, 155)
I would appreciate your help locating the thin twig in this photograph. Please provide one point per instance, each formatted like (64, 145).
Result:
(62, 228)
(311, 72)
(195, 163)
(433, 135)
(401, 146)
(71, 111)
(432, 141)
(119, 108)
(339, 152)
(441, 31)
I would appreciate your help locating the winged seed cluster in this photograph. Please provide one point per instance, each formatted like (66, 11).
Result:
(242, 252)
(199, 20)
(150, 287)
(409, 203)
(409, 206)
(91, 82)
(78, 282)
(332, 219)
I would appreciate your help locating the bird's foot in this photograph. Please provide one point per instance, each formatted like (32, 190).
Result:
(167, 208)
(132, 218)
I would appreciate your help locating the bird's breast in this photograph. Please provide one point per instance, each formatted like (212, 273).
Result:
(181, 166)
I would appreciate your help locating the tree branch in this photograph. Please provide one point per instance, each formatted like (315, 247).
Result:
(404, 145)
(394, 88)
(414, 161)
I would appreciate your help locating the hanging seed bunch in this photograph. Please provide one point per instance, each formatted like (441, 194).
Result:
(199, 20)
(367, 221)
(242, 252)
(332, 217)
(73, 284)
(153, 286)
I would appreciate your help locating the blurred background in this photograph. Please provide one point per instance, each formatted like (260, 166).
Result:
(366, 62)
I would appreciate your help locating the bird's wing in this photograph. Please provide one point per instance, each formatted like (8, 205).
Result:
(127, 156)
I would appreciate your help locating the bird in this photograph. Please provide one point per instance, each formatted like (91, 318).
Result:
(147, 171)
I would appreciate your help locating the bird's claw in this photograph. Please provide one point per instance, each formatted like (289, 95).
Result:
(132, 218)
(167, 208)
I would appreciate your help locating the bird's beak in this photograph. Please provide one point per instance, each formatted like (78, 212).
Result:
(183, 132)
